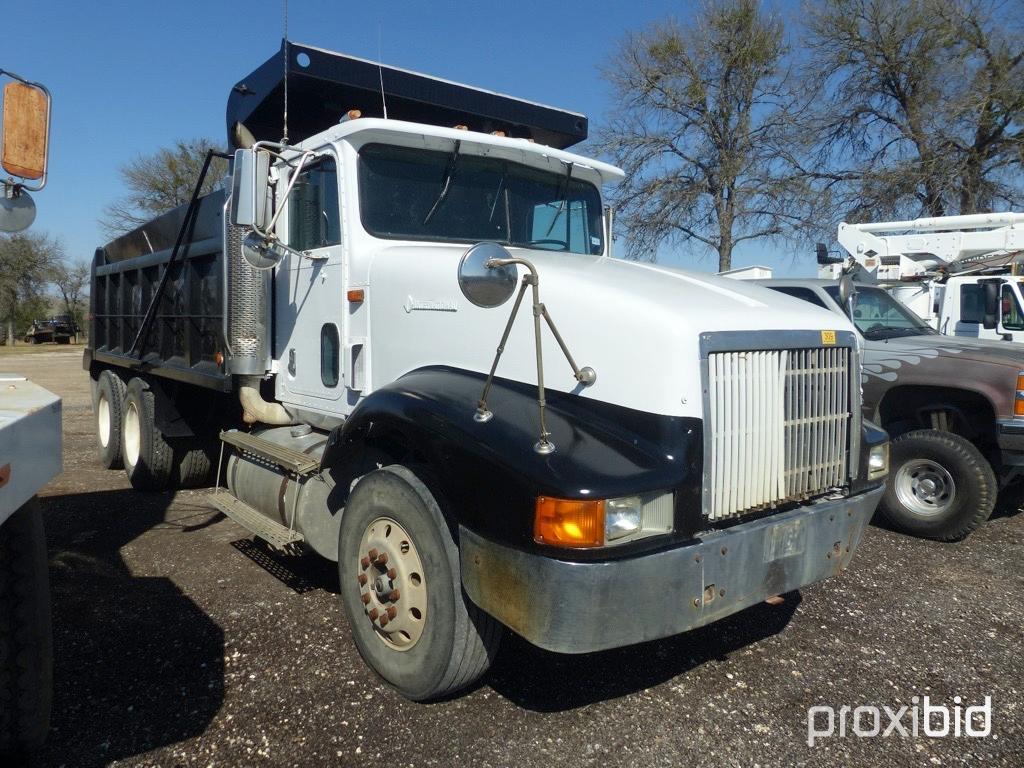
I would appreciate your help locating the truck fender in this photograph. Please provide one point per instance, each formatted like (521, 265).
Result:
(490, 472)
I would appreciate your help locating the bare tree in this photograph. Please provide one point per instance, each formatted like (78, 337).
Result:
(160, 182)
(72, 279)
(26, 267)
(704, 114)
(920, 105)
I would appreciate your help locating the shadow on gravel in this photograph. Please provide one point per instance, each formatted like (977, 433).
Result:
(550, 682)
(137, 664)
(1010, 501)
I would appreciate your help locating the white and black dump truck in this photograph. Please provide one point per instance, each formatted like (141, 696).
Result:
(30, 456)
(405, 326)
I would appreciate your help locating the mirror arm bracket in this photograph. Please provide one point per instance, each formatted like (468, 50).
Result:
(585, 376)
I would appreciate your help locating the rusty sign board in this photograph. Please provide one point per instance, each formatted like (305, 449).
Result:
(26, 128)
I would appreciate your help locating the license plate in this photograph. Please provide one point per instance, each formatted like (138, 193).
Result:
(785, 540)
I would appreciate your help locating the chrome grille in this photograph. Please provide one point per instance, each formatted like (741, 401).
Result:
(779, 425)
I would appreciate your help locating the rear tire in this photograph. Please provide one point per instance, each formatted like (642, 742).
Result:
(148, 456)
(443, 642)
(108, 408)
(26, 640)
(940, 486)
(197, 460)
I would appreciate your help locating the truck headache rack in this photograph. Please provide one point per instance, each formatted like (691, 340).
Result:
(323, 86)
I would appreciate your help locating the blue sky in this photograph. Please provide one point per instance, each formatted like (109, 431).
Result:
(130, 77)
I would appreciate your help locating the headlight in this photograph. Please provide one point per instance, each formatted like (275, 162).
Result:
(622, 517)
(878, 461)
(578, 523)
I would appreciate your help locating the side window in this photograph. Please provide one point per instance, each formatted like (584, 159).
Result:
(314, 219)
(330, 355)
(805, 294)
(972, 303)
(1013, 319)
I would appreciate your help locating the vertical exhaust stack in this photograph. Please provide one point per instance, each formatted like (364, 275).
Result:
(248, 327)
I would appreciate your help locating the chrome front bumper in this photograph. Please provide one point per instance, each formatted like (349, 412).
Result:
(574, 607)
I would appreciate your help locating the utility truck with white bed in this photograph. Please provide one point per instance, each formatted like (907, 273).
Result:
(407, 331)
(30, 456)
(963, 275)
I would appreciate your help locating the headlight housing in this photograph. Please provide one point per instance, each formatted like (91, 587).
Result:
(588, 523)
(878, 461)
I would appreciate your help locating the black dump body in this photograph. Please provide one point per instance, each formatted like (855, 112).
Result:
(330, 84)
(187, 332)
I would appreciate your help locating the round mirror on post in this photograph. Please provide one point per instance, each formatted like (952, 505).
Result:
(16, 212)
(261, 254)
(487, 286)
(847, 290)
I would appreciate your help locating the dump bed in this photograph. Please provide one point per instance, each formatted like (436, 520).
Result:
(186, 339)
(324, 85)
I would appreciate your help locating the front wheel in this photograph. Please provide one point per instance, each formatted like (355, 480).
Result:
(401, 589)
(940, 486)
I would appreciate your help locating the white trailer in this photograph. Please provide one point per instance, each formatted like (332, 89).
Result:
(961, 274)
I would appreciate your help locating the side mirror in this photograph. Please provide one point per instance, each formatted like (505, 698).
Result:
(250, 184)
(847, 293)
(484, 284)
(26, 131)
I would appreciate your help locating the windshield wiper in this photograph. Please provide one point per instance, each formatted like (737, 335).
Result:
(449, 171)
(563, 193)
(890, 332)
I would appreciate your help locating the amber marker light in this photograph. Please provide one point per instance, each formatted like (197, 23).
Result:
(569, 523)
(1018, 401)
(356, 296)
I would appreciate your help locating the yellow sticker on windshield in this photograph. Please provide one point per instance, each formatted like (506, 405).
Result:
(828, 337)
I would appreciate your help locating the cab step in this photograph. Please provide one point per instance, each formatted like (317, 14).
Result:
(294, 461)
(271, 532)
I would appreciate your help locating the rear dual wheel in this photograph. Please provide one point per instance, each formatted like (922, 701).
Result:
(108, 406)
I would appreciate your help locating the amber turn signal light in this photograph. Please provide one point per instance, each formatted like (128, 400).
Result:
(1018, 401)
(569, 522)
(356, 295)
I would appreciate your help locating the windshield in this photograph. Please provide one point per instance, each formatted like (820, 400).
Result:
(878, 315)
(415, 194)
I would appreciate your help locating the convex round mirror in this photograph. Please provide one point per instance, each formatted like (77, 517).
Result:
(485, 286)
(260, 253)
(846, 291)
(16, 213)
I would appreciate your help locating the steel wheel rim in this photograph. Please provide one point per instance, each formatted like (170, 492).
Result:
(392, 584)
(925, 487)
(132, 434)
(103, 419)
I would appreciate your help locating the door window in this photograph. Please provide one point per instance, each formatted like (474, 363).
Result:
(330, 355)
(314, 218)
(972, 303)
(1013, 319)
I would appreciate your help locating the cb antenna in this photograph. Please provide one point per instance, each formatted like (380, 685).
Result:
(284, 139)
(380, 67)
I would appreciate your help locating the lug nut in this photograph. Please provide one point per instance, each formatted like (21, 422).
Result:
(362, 579)
(373, 554)
(392, 612)
(365, 598)
(365, 562)
(382, 558)
(384, 621)
(393, 597)
(374, 613)
(392, 574)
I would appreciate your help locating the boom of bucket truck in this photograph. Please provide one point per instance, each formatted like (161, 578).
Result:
(958, 273)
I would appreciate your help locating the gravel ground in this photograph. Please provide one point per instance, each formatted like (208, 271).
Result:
(175, 647)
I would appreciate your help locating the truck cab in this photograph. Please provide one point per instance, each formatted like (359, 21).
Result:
(954, 407)
(411, 338)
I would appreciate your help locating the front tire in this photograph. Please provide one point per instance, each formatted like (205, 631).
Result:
(430, 640)
(26, 640)
(940, 486)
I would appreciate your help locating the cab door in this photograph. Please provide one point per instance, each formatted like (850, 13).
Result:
(308, 293)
